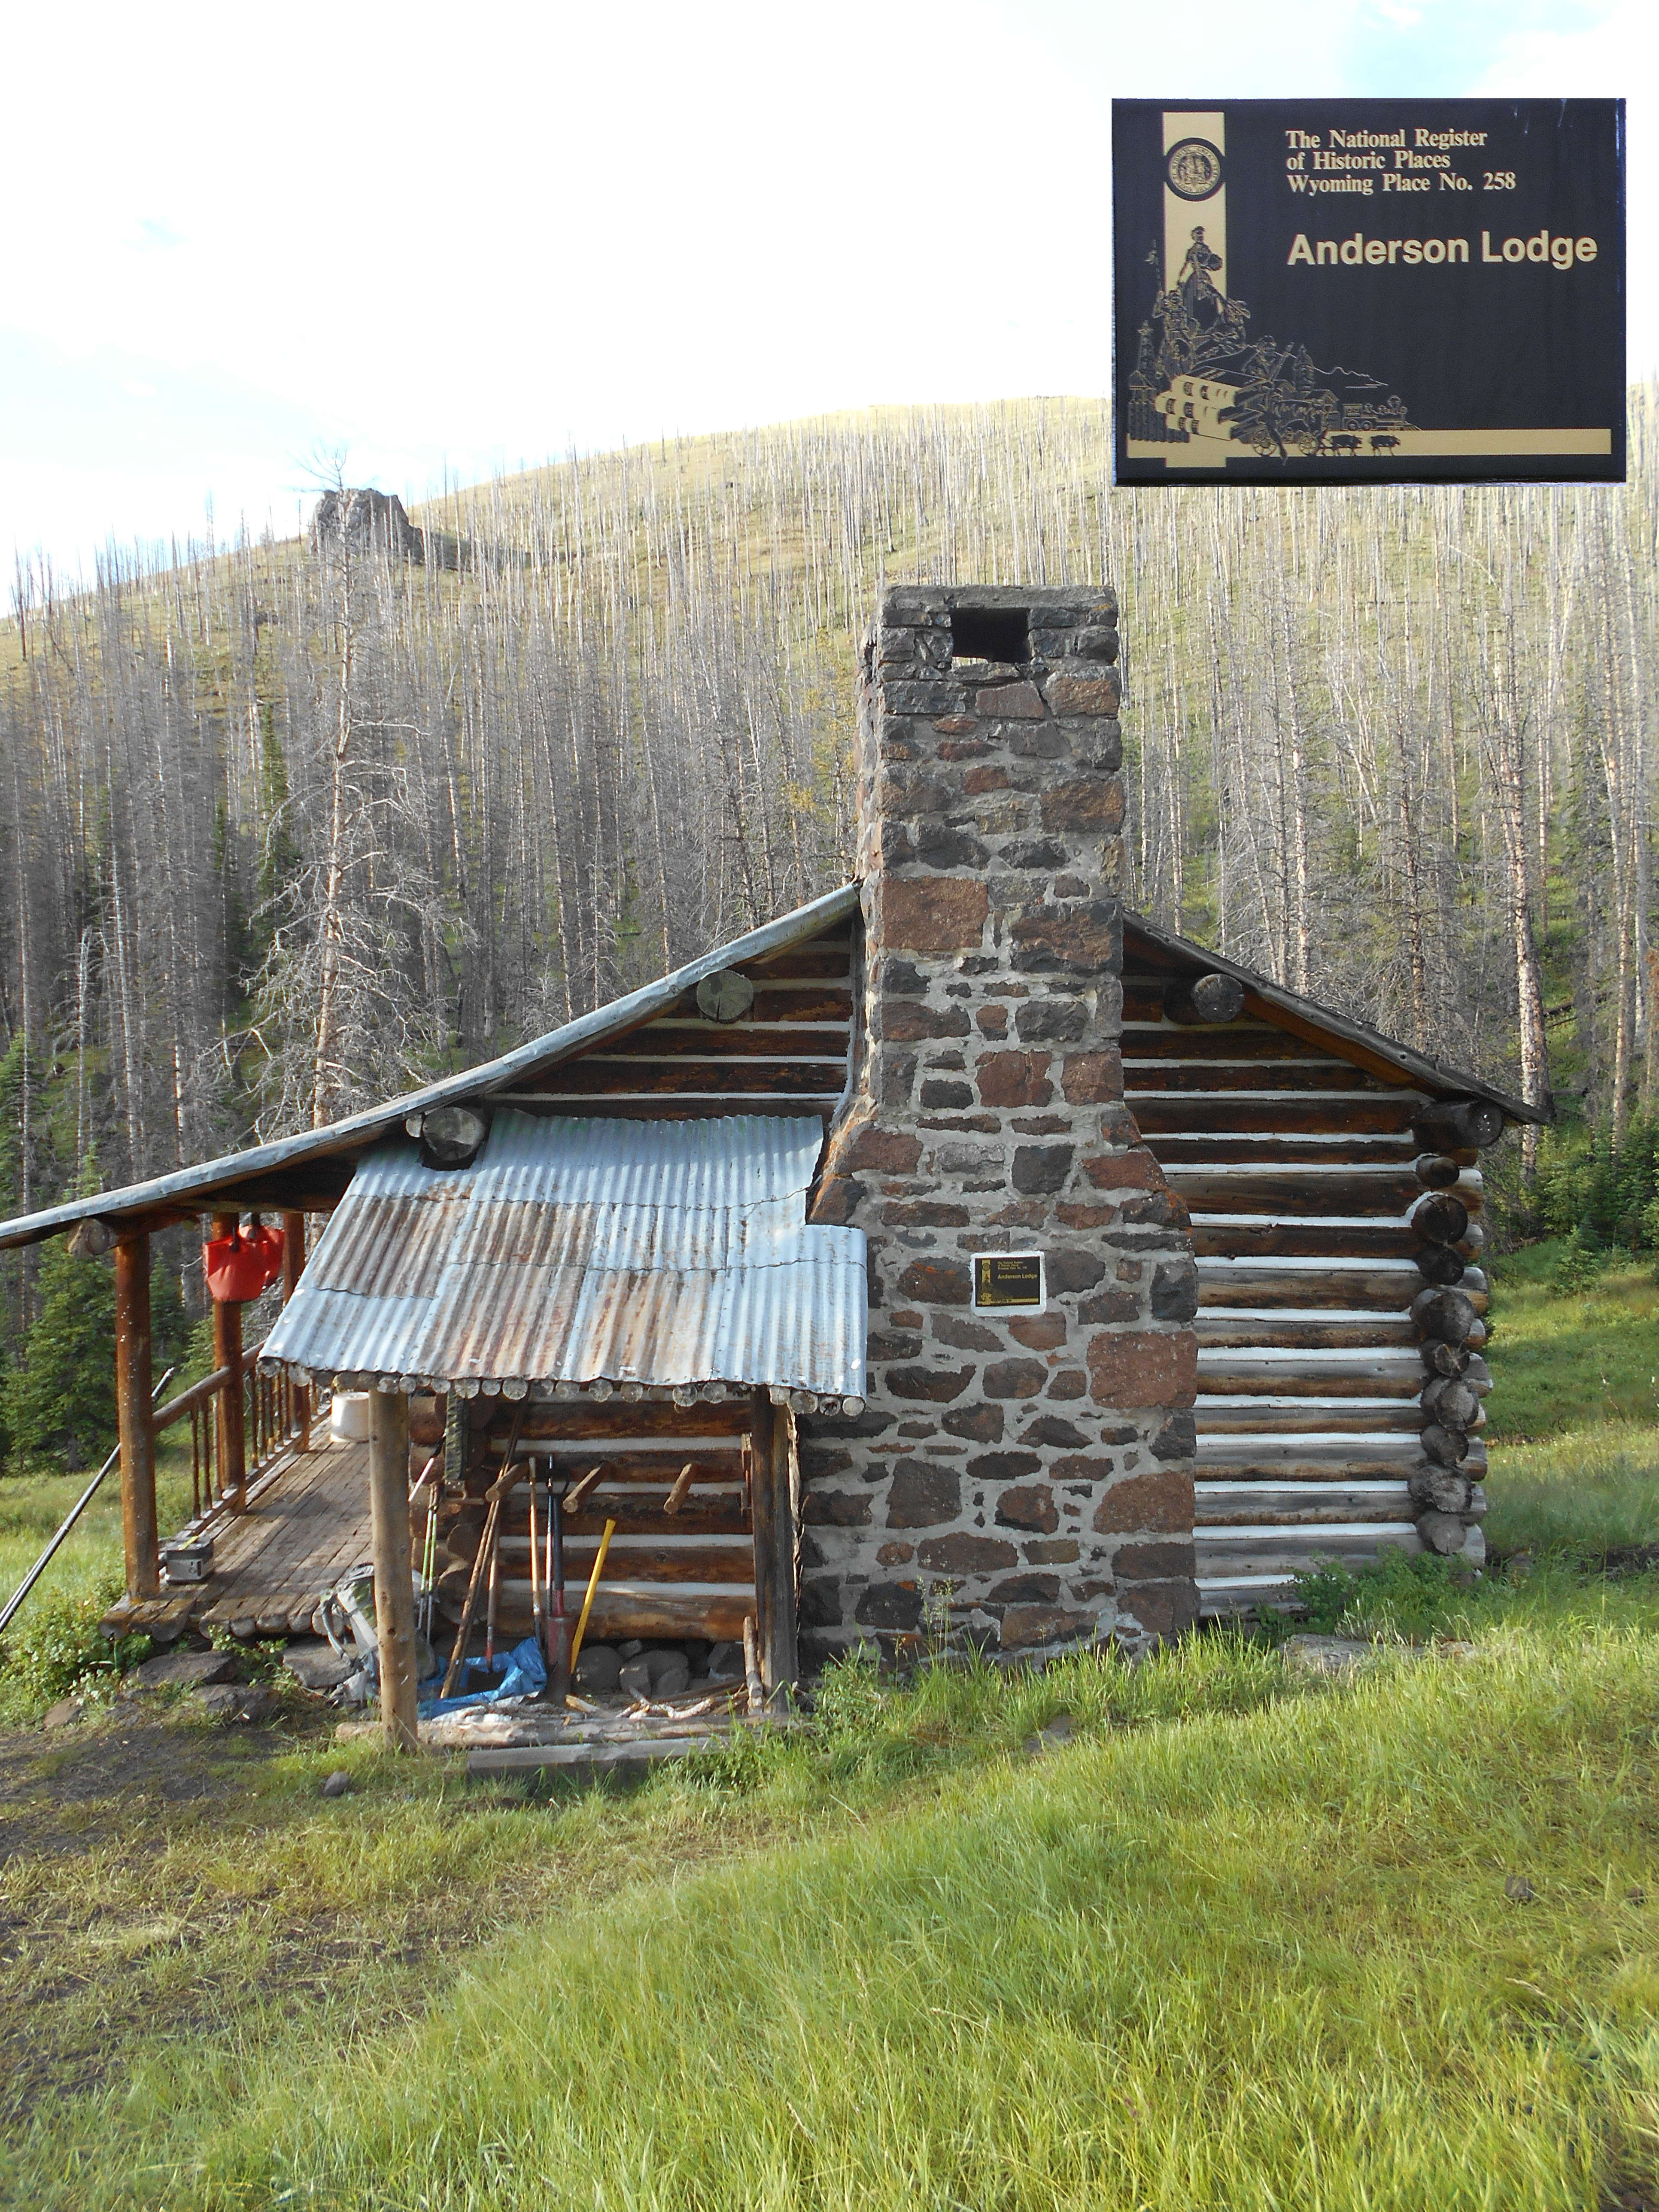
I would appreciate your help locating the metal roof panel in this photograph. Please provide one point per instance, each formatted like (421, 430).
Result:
(573, 1250)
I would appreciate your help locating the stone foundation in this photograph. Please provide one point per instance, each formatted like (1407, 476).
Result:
(1040, 1466)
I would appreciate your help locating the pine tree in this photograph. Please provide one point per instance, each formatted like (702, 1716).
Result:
(60, 1401)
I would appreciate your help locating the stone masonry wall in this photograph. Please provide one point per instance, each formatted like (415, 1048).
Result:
(1042, 1466)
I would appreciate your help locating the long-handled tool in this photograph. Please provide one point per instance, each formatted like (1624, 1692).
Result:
(558, 1628)
(593, 1584)
(432, 1481)
(497, 1494)
(494, 1597)
(535, 1615)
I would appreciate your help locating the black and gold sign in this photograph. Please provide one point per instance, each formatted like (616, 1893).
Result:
(1009, 1279)
(1362, 291)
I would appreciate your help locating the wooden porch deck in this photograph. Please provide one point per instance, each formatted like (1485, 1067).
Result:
(306, 1524)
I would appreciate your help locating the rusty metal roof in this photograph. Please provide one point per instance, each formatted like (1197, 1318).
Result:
(649, 1252)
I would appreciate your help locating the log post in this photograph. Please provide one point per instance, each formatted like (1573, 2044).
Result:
(139, 1534)
(394, 1594)
(294, 1265)
(772, 1457)
(227, 1352)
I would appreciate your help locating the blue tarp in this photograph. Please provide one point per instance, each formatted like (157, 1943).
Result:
(523, 1671)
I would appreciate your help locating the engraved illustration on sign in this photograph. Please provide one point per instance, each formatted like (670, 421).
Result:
(1009, 1280)
(1194, 168)
(1375, 290)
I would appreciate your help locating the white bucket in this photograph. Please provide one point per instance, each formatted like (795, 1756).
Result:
(348, 1420)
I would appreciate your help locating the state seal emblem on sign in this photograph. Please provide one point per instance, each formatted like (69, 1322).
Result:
(1194, 169)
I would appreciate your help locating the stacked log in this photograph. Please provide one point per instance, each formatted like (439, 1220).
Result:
(1315, 1246)
(1446, 1488)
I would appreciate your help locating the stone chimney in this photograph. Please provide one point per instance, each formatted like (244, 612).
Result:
(1039, 1462)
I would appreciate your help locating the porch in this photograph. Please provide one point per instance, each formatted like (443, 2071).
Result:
(305, 1525)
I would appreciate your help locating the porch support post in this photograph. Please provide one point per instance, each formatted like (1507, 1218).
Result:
(227, 1352)
(294, 1265)
(139, 1534)
(394, 1595)
(771, 1460)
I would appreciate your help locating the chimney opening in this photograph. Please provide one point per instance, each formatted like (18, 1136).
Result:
(991, 634)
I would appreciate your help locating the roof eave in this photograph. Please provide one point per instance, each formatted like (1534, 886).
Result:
(357, 1131)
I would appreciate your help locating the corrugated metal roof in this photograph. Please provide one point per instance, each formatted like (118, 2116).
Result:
(195, 1185)
(651, 1252)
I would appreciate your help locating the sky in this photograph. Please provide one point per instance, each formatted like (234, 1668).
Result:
(244, 245)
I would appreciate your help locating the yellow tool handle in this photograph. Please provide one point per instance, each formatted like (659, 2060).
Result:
(593, 1584)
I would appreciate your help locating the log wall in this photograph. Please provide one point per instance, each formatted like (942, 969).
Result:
(1298, 1170)
(692, 1572)
(786, 1054)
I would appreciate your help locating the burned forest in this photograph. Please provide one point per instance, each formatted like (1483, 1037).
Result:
(292, 824)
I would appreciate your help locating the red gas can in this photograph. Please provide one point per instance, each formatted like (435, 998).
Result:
(239, 1266)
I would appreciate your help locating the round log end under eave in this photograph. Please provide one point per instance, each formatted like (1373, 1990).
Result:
(450, 1136)
(726, 996)
(1196, 1000)
(1440, 1219)
(1457, 1125)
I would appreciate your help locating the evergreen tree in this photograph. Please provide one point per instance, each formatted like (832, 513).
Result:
(60, 1400)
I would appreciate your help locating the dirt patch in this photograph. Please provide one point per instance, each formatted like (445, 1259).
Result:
(119, 1767)
(167, 1883)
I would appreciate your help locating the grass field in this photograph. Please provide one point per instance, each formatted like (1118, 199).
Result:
(1561, 1363)
(1244, 1937)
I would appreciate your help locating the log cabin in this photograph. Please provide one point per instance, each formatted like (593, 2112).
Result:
(956, 1248)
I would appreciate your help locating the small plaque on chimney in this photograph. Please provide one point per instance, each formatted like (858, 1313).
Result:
(1009, 1280)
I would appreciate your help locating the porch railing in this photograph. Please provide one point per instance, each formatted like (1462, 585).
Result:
(227, 1456)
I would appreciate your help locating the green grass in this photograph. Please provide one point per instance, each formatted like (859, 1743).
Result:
(1585, 1496)
(1243, 1940)
(1561, 1363)
(1245, 1943)
(53, 1646)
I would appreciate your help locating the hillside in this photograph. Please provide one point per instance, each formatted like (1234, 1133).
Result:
(283, 831)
